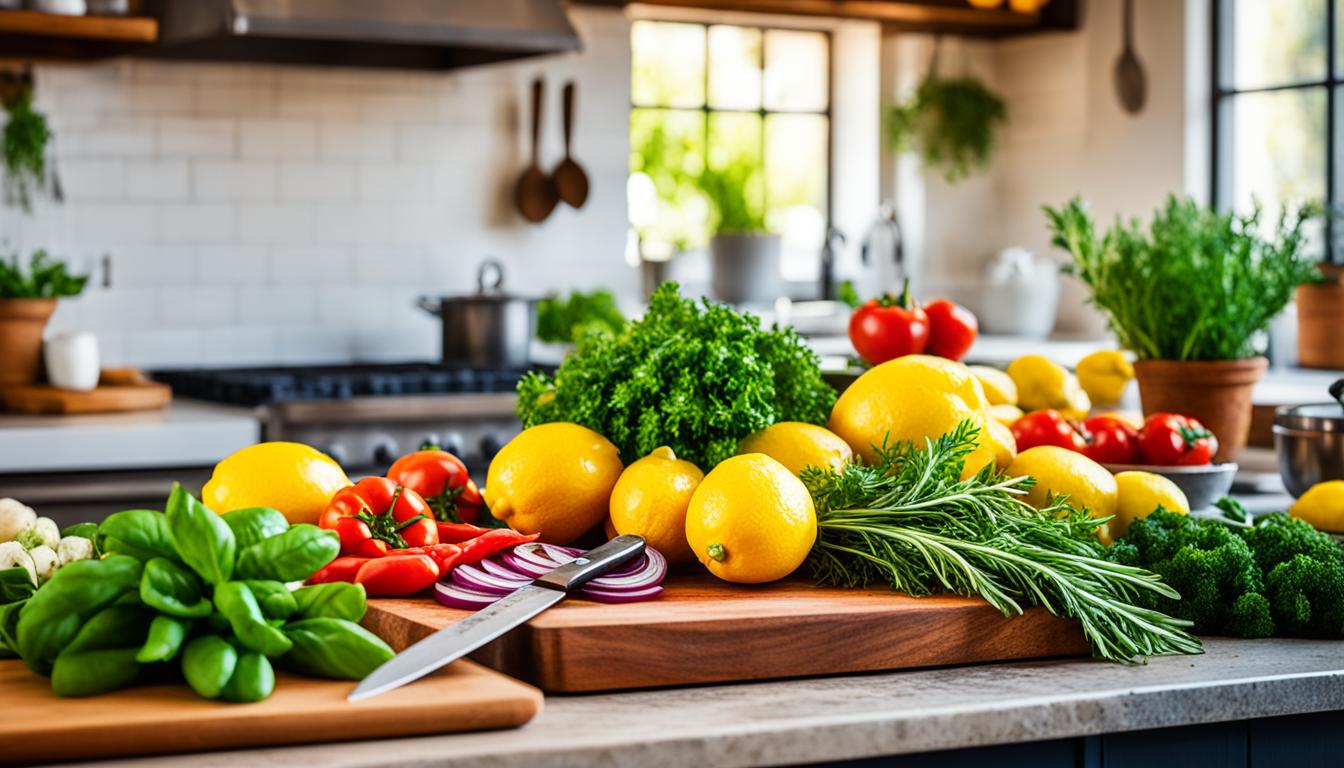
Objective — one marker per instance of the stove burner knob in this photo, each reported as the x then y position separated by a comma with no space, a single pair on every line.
337,452
490,445
452,443
385,452
431,441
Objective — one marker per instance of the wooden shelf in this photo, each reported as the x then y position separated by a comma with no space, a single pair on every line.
123,29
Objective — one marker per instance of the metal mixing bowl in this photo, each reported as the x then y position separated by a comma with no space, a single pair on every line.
1310,442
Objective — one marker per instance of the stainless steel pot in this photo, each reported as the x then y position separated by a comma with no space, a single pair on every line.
488,329
1309,440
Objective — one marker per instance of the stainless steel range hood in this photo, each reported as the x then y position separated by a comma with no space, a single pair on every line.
408,34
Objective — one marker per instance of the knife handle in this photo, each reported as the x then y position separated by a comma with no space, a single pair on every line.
592,563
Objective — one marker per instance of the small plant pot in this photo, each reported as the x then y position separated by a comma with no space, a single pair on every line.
21,324
1320,316
1216,392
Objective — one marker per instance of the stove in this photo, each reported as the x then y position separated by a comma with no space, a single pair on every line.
365,416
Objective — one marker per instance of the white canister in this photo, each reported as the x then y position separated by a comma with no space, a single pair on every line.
72,361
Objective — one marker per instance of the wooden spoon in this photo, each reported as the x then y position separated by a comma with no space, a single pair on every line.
536,194
570,180
1130,82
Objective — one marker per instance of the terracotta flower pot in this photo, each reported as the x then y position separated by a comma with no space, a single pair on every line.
21,324
1320,315
1216,392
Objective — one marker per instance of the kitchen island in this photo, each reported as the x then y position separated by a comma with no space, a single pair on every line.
1244,702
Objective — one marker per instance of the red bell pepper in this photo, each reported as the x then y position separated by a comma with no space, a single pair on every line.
1111,441
1170,439
375,515
952,329
889,327
442,479
397,575
1047,427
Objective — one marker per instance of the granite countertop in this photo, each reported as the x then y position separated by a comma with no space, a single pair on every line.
861,716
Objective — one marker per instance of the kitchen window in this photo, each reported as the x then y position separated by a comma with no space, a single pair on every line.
1278,71
749,102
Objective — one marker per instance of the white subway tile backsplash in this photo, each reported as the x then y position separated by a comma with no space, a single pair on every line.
353,224
358,141
311,264
198,137
394,183
232,180
119,309
276,224
232,264
149,265
317,182
107,140
157,180
268,139
167,348
197,306
117,222
197,222
309,346
278,305
92,179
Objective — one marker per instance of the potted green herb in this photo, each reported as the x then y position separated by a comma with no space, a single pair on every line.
1193,298
745,255
25,139
27,298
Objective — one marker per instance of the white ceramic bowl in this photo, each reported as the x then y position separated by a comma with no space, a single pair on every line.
1202,484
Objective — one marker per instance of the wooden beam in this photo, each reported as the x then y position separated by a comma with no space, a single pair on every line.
125,29
909,15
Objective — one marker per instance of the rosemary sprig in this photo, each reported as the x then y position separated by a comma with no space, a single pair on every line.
911,521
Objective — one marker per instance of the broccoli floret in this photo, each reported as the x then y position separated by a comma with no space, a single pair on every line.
1307,596
1277,538
1251,617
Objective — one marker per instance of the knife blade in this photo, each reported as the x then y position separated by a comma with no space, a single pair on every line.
457,640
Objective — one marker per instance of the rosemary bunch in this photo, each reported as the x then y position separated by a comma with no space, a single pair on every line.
912,521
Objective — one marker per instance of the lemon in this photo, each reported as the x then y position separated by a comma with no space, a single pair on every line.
1000,389
1005,414
1104,374
1061,472
996,445
650,500
293,478
797,445
1322,506
1043,383
912,398
751,520
1139,494
554,480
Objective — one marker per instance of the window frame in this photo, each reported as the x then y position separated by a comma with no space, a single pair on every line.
1222,51
762,112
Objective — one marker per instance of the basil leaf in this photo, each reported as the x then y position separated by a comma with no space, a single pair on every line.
208,662
235,600
15,585
293,555
9,625
174,590
334,600
204,541
275,599
254,524
54,614
139,533
334,648
165,639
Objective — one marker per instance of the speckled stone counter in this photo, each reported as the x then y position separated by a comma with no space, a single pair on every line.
839,718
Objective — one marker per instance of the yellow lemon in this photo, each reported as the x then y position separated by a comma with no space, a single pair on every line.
1104,374
1000,389
751,520
293,478
797,445
1139,494
1043,383
1005,414
1061,472
650,500
1322,506
553,479
996,444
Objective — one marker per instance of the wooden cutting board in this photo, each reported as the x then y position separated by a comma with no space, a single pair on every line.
703,630
118,390
170,718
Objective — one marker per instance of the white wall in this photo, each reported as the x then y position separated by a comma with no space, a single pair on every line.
257,214
1066,135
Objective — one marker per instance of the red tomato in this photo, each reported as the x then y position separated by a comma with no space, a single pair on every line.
1170,439
1047,427
384,514
442,479
952,329
1111,441
887,328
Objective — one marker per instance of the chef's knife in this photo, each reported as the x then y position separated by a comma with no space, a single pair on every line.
457,640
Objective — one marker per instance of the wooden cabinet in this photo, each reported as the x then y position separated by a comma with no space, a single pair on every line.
30,35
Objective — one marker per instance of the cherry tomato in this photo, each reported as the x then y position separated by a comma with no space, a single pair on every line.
1111,441
952,329
1047,427
442,479
889,327
1170,439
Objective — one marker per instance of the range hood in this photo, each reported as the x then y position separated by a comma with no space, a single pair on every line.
407,34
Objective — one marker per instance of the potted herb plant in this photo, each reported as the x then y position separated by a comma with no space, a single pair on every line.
1192,298
745,255
27,299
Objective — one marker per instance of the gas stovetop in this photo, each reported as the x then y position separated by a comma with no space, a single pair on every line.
262,386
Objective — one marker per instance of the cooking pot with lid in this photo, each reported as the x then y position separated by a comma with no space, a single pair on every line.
1309,440
487,329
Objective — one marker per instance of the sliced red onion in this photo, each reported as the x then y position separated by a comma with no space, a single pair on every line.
454,596
620,596
474,586
471,577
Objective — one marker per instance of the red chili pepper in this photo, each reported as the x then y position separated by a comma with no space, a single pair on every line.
397,575
340,569
1047,427
445,556
890,327
386,516
453,533
1171,439
442,479
490,542
952,329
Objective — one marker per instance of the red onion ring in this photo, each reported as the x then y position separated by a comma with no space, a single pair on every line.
474,586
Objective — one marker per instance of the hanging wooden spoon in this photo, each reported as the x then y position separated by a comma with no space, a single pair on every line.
570,180
536,194
1130,82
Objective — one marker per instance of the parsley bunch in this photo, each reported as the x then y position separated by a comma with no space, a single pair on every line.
694,376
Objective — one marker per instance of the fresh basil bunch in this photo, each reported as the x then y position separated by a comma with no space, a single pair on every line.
203,591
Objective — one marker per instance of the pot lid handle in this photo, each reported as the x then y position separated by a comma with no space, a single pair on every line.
1337,391
490,276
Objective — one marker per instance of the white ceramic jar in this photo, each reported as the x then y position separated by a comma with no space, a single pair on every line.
72,361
